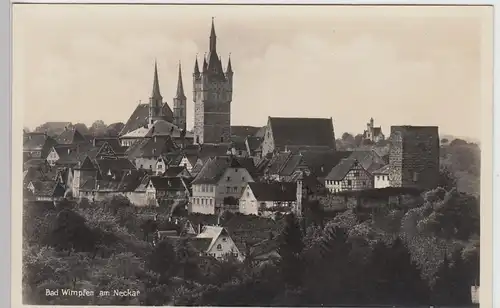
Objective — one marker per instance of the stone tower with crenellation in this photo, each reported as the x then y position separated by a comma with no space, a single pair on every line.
212,96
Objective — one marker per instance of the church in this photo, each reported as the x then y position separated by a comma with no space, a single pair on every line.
212,96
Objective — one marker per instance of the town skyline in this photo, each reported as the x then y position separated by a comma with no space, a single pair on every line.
370,69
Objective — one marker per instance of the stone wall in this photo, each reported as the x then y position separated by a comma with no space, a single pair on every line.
414,156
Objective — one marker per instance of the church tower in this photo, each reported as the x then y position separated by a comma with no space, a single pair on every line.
180,103
212,96
155,100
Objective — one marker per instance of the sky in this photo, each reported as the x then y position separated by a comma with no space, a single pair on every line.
400,65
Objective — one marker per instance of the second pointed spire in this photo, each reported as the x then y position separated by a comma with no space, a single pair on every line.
155,93
180,86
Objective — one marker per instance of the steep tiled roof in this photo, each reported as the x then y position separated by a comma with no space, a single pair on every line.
274,191
200,244
70,136
339,172
113,168
369,159
244,131
34,162
384,170
165,128
253,143
151,147
212,150
291,165
174,171
302,131
36,141
48,189
139,117
214,169
320,163
168,183
261,132
248,164
114,143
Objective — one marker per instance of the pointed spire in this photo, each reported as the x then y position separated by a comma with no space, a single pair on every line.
196,67
180,87
213,38
156,85
205,64
229,68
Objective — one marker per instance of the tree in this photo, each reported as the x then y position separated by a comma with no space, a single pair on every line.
458,142
348,138
290,249
187,259
162,260
446,179
395,278
444,141
82,128
358,139
98,128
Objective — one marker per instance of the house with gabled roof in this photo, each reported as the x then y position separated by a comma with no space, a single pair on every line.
218,185
313,133
381,177
37,145
146,152
45,191
348,175
71,136
170,190
263,199
216,242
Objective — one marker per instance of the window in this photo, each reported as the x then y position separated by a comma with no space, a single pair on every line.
219,247
235,189
160,166
240,152
236,170
211,201
228,189
224,239
221,139
228,178
356,173
364,183
349,182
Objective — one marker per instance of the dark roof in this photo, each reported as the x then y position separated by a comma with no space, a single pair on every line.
291,165
110,168
174,171
34,162
70,136
253,143
125,182
151,147
369,159
384,170
214,169
277,161
239,145
302,131
168,183
164,128
261,132
248,164
212,150
320,163
114,143
200,244
139,117
48,189
274,191
244,131
35,141
339,172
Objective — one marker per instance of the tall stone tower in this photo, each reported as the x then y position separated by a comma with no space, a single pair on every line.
212,96
180,103
155,100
